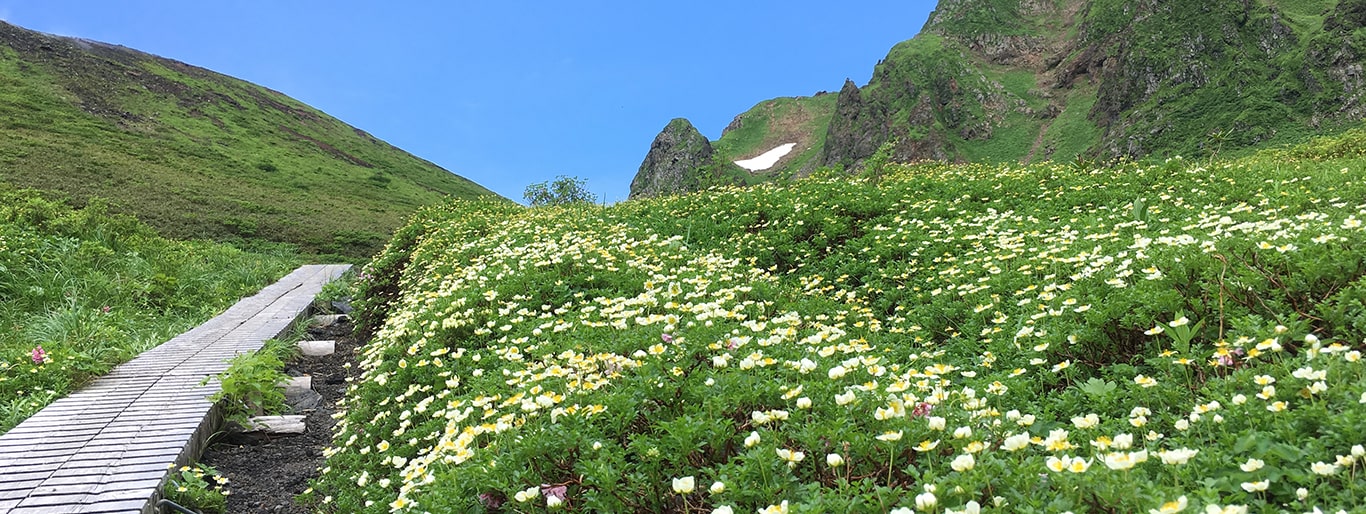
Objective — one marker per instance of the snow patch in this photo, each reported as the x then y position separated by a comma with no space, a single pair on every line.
767,160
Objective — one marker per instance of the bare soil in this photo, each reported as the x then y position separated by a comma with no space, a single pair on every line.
265,477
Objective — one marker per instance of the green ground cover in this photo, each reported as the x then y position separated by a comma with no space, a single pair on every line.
957,338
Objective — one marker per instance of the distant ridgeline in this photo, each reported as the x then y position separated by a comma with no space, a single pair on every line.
198,154
1032,80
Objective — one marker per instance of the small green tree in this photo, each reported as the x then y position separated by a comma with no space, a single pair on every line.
561,191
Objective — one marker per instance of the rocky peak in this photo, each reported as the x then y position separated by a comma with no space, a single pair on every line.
673,163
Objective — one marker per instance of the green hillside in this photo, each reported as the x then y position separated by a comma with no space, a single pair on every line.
197,154
82,290
1153,336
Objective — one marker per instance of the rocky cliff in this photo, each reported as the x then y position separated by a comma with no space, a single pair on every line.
1029,80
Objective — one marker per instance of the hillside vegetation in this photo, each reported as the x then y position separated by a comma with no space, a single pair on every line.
197,154
82,290
1147,337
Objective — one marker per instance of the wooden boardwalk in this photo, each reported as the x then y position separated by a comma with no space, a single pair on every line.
109,446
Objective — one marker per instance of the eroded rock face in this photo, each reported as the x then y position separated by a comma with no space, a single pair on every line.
674,162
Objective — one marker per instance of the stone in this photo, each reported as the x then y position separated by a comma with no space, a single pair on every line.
277,425
327,320
299,394
318,348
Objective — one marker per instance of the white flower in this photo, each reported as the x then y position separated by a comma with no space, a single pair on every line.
1323,468
963,462
834,460
971,508
936,422
684,485
1016,442
527,495
848,397
890,436
717,487
792,457
1227,509
1253,487
836,372
803,403
1252,465
1177,456
724,509
1123,441
925,501
752,439
1088,421
1169,507
553,502
962,433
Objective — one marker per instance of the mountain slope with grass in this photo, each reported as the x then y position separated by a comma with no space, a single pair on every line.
1037,80
197,154
1161,336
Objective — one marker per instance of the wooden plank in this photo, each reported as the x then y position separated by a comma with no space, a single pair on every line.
107,447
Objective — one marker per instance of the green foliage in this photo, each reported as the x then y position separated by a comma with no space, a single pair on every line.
846,345
94,289
200,155
564,190
198,487
251,385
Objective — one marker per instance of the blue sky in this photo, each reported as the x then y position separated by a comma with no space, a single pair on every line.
513,92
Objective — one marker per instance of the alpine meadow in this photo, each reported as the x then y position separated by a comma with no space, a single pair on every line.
1054,256
1143,337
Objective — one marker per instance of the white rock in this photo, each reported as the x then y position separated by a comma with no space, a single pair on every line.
318,348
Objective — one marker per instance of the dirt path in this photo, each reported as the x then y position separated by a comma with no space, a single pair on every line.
266,477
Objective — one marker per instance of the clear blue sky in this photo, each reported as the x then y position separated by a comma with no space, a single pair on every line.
507,93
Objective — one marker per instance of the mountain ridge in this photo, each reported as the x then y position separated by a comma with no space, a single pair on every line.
1027,80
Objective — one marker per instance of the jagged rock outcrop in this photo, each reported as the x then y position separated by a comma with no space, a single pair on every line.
675,160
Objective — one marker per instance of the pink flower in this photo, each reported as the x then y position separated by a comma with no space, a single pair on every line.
667,338
555,491
39,355
492,500
105,309
921,409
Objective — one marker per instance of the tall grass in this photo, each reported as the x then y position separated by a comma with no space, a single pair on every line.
82,290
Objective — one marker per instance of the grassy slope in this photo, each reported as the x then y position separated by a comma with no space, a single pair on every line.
1012,301
93,290
801,120
198,154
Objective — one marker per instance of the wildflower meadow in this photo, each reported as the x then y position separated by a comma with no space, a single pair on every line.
1145,337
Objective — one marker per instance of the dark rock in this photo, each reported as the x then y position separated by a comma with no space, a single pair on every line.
342,306
675,162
